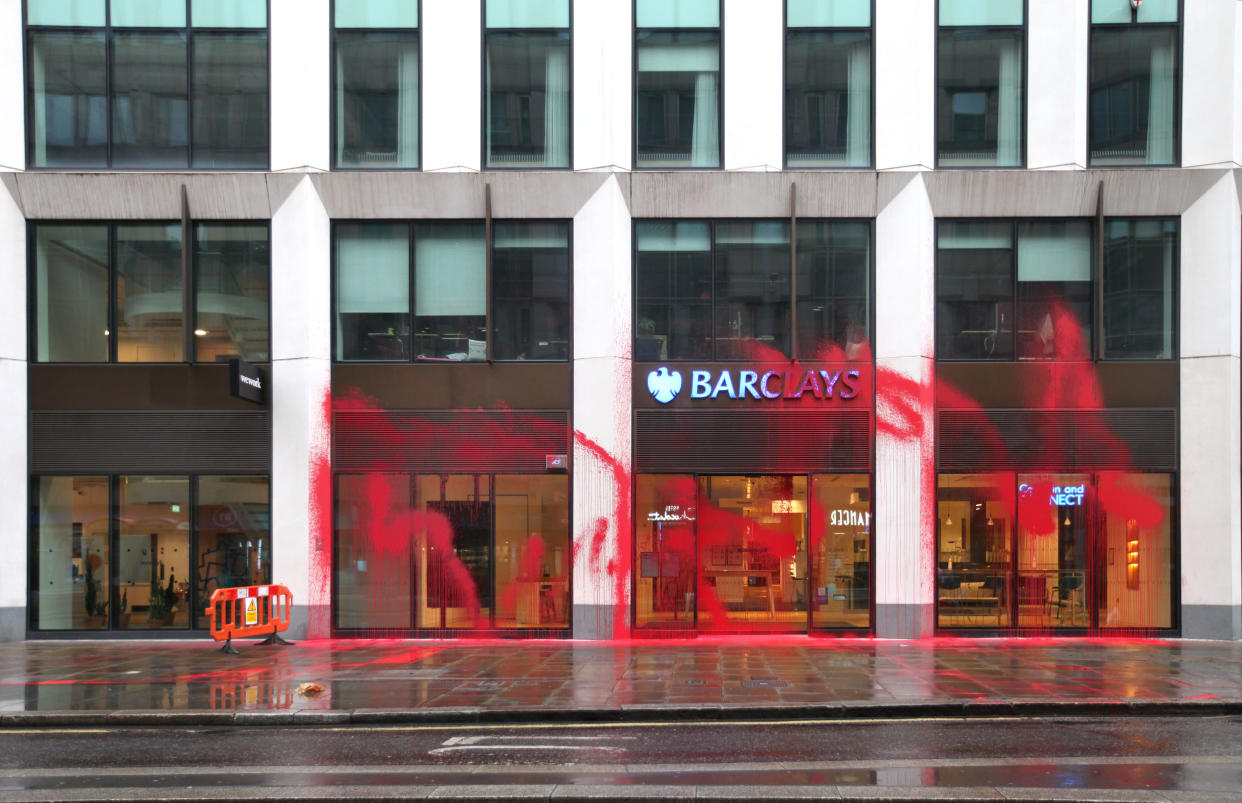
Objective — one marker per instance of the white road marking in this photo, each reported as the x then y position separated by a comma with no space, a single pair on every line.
456,743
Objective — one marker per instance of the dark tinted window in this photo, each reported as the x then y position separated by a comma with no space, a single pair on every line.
828,98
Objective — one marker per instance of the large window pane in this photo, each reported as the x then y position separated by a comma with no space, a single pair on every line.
1054,539
230,103
828,98
834,291
979,101
233,531
752,290
377,14
147,14
148,288
1134,86
981,12
677,14
377,86
532,551
974,291
527,13
677,99
71,294
65,12
665,548
374,551
150,111
231,13
828,13
67,98
974,528
531,306
71,531
153,552
372,291
527,100
1054,290
1138,550
841,538
673,317
1116,11
231,292
453,533
1139,291
450,291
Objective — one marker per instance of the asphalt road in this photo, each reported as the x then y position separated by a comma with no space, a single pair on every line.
1063,758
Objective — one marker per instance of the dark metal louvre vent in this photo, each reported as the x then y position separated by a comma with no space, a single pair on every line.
1056,440
448,440
779,441
227,441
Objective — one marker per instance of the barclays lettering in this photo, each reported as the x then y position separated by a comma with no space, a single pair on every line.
819,384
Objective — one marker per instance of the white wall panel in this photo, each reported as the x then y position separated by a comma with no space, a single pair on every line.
905,42
1210,83
301,84
753,84
603,85
1210,286
14,503
12,88
452,43
1056,102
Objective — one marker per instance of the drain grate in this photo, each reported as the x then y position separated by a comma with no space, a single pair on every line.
763,683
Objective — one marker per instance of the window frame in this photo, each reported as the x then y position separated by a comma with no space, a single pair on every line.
785,90
1024,105
109,59
489,247
720,111
189,290
711,223
1097,287
1178,81
484,123
333,110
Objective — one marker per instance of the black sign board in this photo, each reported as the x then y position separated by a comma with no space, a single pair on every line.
247,382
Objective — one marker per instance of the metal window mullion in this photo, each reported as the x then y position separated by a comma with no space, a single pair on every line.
111,542
189,96
196,604
113,289
793,271
1098,272
187,279
489,277
411,276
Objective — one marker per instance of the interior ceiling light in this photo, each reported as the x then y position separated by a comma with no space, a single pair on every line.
200,332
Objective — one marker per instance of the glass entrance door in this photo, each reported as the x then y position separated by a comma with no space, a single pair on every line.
454,551
1056,536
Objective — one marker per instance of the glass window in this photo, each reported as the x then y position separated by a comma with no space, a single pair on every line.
70,529
233,535
1134,94
834,290
122,97
1122,11
840,555
532,551
974,532
828,13
828,98
377,98
71,293
532,308
372,291
450,291
149,319
231,290
374,551
1138,544
979,98
752,290
1054,290
981,12
677,13
673,289
1139,289
527,13
528,79
377,14
153,552
67,98
677,99
665,549
453,536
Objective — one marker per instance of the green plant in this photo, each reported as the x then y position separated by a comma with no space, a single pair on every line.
93,606
646,326
163,599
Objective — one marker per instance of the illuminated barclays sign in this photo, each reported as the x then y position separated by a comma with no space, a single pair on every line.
665,384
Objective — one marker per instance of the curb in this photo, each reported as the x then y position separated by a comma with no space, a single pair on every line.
627,713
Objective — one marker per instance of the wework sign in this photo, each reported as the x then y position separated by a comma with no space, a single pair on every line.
247,381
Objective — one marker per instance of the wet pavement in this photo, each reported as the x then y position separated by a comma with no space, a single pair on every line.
367,681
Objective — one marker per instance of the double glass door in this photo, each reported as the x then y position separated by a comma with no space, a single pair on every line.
1055,551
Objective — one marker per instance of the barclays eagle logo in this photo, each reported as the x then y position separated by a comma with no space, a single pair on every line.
664,384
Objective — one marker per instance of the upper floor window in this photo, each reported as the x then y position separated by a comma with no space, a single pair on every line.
117,292
828,83
677,83
1027,290
136,83
421,291
1134,82
979,86
727,290
528,80
375,84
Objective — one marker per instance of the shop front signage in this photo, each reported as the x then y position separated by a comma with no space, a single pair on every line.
1061,495
666,384
247,382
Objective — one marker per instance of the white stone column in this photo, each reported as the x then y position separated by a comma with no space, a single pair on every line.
1056,84
1210,84
14,504
603,400
300,384
905,479
905,102
12,87
301,84
603,85
754,49
1211,460
452,84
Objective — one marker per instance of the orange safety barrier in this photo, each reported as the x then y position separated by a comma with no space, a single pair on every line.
249,611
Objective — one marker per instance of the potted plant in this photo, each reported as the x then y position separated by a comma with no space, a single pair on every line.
96,611
647,345
163,603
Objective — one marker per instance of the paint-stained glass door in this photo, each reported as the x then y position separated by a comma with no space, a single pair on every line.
453,551
1055,532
